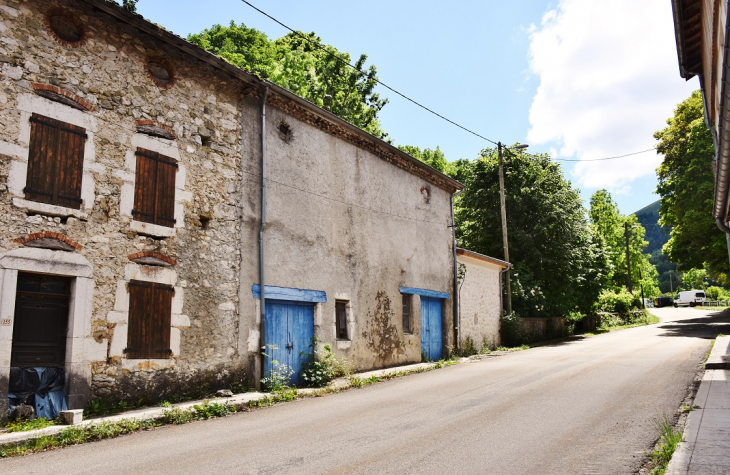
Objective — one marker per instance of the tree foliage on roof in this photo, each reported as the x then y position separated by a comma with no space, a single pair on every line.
686,185
307,67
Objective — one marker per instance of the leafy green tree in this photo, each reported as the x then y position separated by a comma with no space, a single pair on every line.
557,264
610,226
686,185
130,5
434,158
694,279
315,71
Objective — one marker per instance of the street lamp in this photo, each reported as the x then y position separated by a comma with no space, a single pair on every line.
504,217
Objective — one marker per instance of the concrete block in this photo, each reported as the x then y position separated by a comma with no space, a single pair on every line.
72,417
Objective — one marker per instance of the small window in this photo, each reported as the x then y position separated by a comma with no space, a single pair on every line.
55,162
341,319
406,313
154,188
150,309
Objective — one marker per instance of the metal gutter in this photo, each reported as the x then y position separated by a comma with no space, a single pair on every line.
200,54
262,282
457,316
723,141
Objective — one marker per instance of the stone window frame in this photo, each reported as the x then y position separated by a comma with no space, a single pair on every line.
129,173
119,317
81,348
27,105
344,344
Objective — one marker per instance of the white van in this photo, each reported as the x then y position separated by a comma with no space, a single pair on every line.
689,298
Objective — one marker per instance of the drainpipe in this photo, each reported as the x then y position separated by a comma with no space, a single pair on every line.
724,228
262,298
457,321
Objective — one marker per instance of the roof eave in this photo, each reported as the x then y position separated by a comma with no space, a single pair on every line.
200,54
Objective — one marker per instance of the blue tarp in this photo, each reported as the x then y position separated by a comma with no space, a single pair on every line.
39,387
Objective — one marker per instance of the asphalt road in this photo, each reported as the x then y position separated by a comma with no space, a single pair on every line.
583,406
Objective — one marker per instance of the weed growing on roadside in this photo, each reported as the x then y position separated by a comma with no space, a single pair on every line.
33,424
178,416
208,410
78,435
279,376
324,367
668,442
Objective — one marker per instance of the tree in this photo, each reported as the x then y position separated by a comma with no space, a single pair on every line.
301,63
130,5
557,264
686,185
610,227
434,158
694,279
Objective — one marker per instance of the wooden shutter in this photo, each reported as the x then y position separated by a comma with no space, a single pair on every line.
154,191
144,187
341,319
150,308
55,162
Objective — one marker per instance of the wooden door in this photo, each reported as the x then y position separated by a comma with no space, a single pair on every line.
288,334
431,328
41,321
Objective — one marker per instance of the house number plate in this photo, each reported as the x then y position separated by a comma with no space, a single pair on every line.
6,321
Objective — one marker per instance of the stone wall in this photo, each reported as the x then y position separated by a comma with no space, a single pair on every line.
480,304
108,71
347,214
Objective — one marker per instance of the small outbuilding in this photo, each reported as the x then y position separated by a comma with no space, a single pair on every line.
480,298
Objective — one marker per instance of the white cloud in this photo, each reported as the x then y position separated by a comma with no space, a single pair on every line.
609,78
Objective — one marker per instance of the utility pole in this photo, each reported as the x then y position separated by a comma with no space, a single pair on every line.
508,289
627,235
671,287
641,283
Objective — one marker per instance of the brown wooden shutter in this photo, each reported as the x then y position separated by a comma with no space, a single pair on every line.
144,186
55,162
140,303
150,309
154,193
166,193
160,344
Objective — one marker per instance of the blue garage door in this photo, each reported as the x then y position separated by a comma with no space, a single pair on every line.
431,337
288,334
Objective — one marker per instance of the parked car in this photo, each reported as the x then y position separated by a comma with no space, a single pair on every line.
664,301
689,298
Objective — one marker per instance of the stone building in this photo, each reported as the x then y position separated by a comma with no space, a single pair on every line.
480,298
131,166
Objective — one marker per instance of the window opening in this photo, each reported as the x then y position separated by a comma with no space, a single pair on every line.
150,309
154,188
341,319
406,299
55,162
65,28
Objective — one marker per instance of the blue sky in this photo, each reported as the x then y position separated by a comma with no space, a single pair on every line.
579,79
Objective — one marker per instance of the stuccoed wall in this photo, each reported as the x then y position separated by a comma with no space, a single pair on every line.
343,220
108,71
341,217
479,302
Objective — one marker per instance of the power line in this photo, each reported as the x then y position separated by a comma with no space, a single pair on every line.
412,100
376,80
601,159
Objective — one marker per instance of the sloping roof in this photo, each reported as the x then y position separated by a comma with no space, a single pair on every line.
481,257
688,35
280,97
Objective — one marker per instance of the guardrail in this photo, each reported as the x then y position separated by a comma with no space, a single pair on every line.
714,303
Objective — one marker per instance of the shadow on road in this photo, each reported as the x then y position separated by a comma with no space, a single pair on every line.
707,326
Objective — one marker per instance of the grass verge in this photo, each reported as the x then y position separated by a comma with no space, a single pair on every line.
22,426
669,439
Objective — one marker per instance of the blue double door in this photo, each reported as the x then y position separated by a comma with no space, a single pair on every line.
288,333
431,328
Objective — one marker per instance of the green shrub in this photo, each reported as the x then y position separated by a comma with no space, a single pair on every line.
618,302
512,333
324,367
